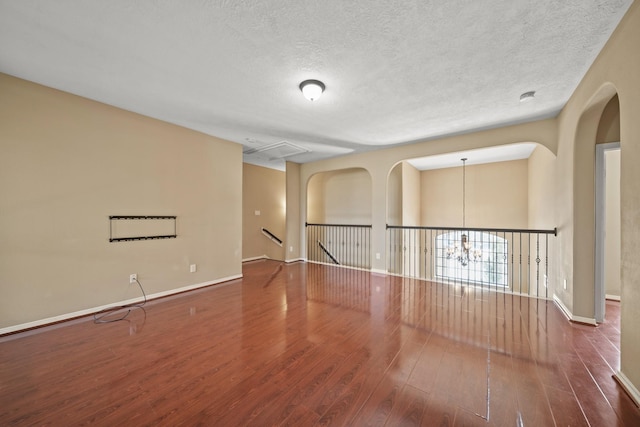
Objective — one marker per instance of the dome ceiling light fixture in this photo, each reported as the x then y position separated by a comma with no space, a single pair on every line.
527,96
312,89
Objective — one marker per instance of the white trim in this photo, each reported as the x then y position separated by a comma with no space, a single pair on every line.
255,258
493,288
628,386
85,312
612,297
570,316
563,308
379,271
288,261
585,320
329,264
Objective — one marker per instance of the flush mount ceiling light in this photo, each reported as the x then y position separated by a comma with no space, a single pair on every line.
527,96
312,89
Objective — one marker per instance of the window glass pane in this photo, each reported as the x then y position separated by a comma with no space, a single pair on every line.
473,256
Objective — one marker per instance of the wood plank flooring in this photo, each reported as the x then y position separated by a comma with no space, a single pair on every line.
305,344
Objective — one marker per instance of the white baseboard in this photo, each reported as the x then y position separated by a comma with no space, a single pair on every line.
585,320
563,308
570,316
348,267
612,297
88,311
378,271
628,386
255,258
258,258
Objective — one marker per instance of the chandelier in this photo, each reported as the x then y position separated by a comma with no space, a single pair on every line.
464,252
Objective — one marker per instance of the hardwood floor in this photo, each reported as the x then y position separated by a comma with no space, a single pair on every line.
305,344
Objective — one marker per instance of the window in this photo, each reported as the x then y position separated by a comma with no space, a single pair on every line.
483,261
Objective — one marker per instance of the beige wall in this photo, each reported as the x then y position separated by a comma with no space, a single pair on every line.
612,226
496,196
263,206
541,184
68,163
340,197
394,190
411,195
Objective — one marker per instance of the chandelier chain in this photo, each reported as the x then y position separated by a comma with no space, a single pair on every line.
464,190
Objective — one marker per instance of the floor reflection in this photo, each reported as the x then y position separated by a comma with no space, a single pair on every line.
308,344
476,316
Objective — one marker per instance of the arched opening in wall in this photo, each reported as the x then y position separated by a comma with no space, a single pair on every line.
607,215
598,124
339,218
482,223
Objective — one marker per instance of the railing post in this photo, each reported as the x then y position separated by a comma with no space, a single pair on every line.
344,244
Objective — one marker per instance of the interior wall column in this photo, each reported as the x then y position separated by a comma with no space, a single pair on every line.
378,219
294,220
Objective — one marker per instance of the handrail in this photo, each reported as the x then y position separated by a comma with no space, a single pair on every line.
326,251
495,230
509,259
271,236
307,224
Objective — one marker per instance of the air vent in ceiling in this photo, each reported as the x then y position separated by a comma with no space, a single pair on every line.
279,150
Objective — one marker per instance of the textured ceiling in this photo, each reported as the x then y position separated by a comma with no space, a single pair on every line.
396,71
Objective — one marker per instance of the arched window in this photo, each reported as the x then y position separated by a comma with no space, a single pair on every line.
473,256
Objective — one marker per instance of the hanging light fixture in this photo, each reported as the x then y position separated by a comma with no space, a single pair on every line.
465,252
312,89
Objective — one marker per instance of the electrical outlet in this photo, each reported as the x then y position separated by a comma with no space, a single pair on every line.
564,284
133,278
193,268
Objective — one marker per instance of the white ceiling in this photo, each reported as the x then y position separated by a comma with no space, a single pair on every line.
396,71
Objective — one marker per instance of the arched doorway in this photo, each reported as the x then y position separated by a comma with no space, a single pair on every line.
339,218
607,215
599,123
